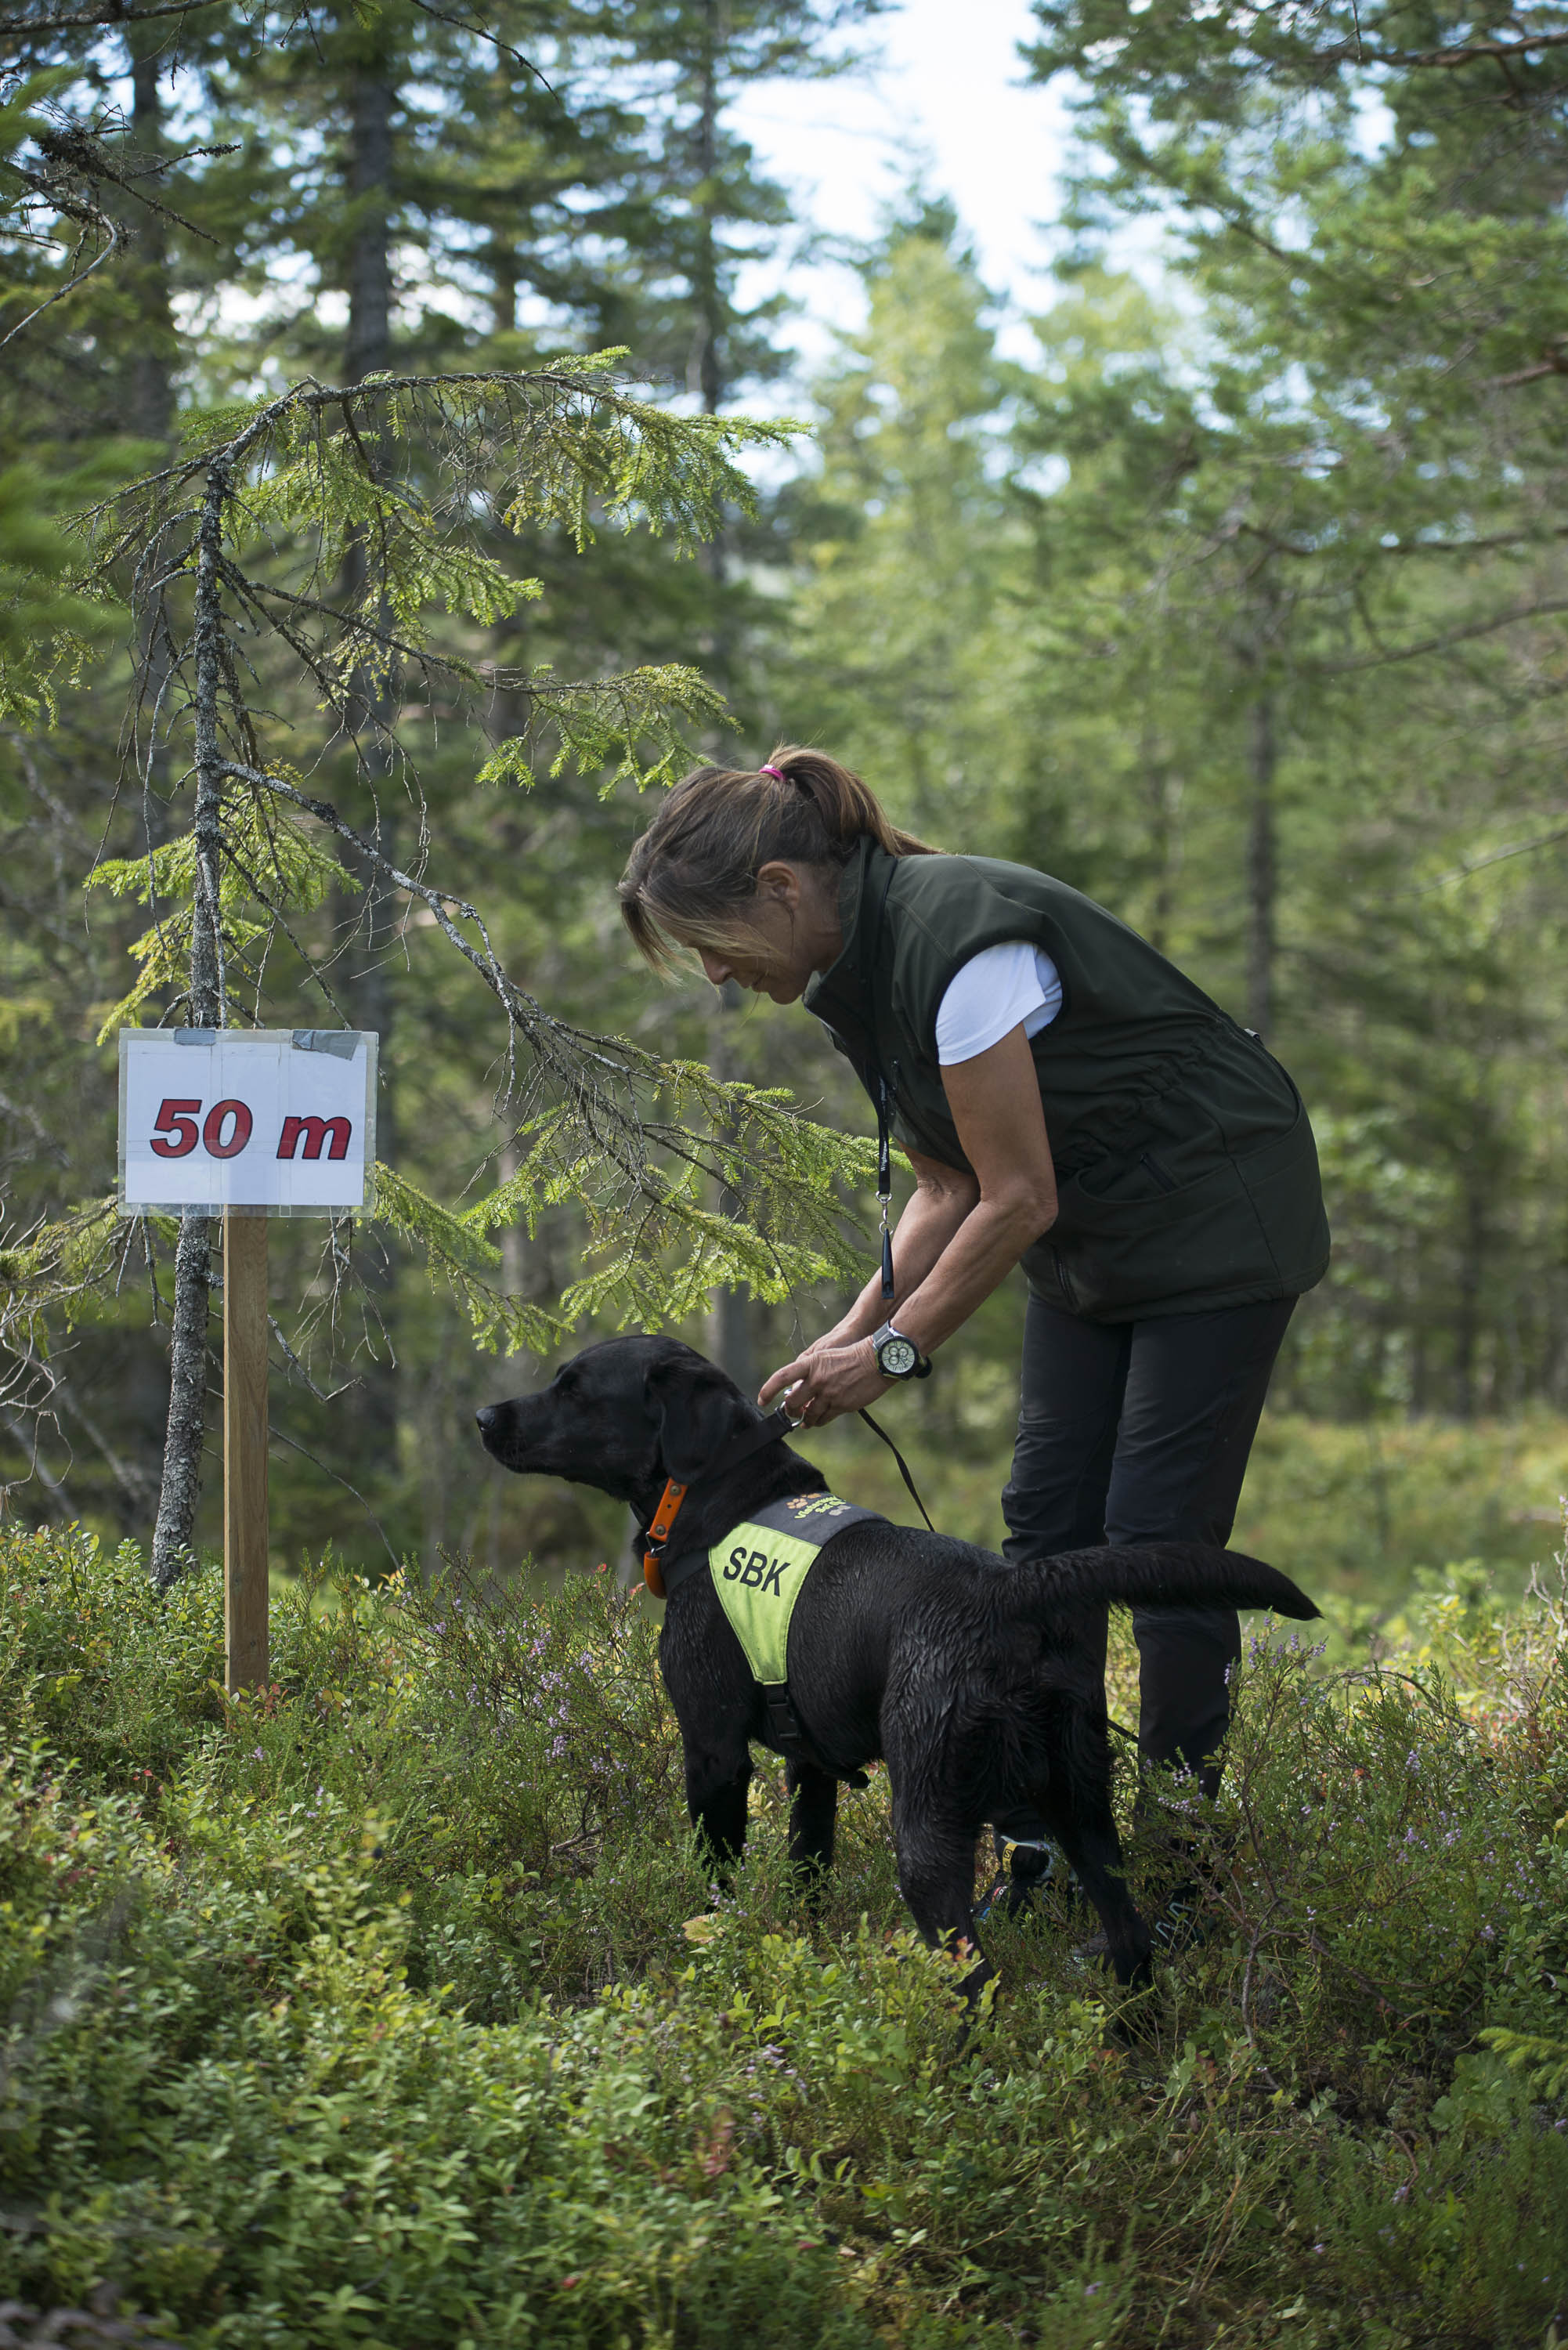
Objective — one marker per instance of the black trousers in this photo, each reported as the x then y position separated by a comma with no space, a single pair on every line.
1136,1431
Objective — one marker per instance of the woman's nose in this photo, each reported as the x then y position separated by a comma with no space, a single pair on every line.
716,969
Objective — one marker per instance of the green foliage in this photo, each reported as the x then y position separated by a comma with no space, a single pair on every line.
625,730
1543,2063
662,1247
332,475
457,1256
565,446
393,2006
47,627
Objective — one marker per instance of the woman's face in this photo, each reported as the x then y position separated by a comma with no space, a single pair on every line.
789,930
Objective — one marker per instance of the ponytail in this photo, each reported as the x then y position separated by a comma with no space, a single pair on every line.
696,866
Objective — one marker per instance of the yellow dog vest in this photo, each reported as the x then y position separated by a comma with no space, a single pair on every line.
760,1568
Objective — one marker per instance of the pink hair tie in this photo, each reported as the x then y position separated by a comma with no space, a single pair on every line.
774,771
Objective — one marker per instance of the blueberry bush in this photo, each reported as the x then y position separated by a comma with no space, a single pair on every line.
395,2006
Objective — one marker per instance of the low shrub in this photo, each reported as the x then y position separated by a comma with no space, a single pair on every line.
395,2006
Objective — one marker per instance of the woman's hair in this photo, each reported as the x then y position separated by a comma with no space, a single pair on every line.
696,866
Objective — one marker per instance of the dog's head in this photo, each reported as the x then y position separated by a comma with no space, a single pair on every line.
622,1416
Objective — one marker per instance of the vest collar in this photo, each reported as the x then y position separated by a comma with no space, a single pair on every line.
841,995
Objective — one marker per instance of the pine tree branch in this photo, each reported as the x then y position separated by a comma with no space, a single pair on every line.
106,13
112,243
1468,53
483,33
1496,856
1383,657
600,1076
1309,551
522,1011
27,1440
277,1435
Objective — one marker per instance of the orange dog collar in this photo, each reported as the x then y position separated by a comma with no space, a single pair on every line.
658,1533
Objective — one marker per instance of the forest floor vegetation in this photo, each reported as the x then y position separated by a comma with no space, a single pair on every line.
395,2007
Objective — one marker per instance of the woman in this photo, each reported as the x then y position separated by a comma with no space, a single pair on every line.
1069,1101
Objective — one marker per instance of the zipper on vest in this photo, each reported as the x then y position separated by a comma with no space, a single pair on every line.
1166,1183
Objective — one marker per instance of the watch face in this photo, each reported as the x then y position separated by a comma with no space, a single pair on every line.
897,1357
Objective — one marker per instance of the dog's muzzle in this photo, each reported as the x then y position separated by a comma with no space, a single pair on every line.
495,1420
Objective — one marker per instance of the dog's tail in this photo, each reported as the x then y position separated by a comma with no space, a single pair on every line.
1169,1575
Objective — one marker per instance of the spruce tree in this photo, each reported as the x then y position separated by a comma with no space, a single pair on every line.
308,469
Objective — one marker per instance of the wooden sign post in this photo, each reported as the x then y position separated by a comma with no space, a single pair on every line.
248,1123
246,1516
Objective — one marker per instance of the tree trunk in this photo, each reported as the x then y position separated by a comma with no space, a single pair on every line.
370,343
1260,869
368,351
151,418
1467,1319
372,917
504,278
153,361
730,1337
705,368
181,1487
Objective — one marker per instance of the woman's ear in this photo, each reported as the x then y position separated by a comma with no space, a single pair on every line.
781,883
696,1410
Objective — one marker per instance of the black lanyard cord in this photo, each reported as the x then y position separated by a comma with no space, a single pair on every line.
885,1183
903,1467
883,1109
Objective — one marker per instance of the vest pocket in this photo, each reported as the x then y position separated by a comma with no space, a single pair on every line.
1285,1192
1130,1237
1137,1243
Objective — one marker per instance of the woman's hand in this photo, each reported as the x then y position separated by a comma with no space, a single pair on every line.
828,1381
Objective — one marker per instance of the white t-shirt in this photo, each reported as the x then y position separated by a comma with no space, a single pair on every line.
993,992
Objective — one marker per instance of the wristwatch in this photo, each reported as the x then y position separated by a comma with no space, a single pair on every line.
898,1358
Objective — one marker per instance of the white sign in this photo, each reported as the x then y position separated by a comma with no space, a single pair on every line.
278,1119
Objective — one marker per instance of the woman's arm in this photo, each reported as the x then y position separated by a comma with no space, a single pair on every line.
967,1236
942,1198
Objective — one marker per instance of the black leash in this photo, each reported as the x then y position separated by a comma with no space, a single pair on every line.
903,1467
779,1424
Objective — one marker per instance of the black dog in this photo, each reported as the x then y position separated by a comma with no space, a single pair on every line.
974,1681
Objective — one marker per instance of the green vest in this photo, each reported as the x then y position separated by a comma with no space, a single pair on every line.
760,1567
1186,1170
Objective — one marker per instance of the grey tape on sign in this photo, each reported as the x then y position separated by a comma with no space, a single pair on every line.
341,1043
192,1035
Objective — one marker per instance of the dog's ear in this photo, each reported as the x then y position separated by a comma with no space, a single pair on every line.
696,1410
